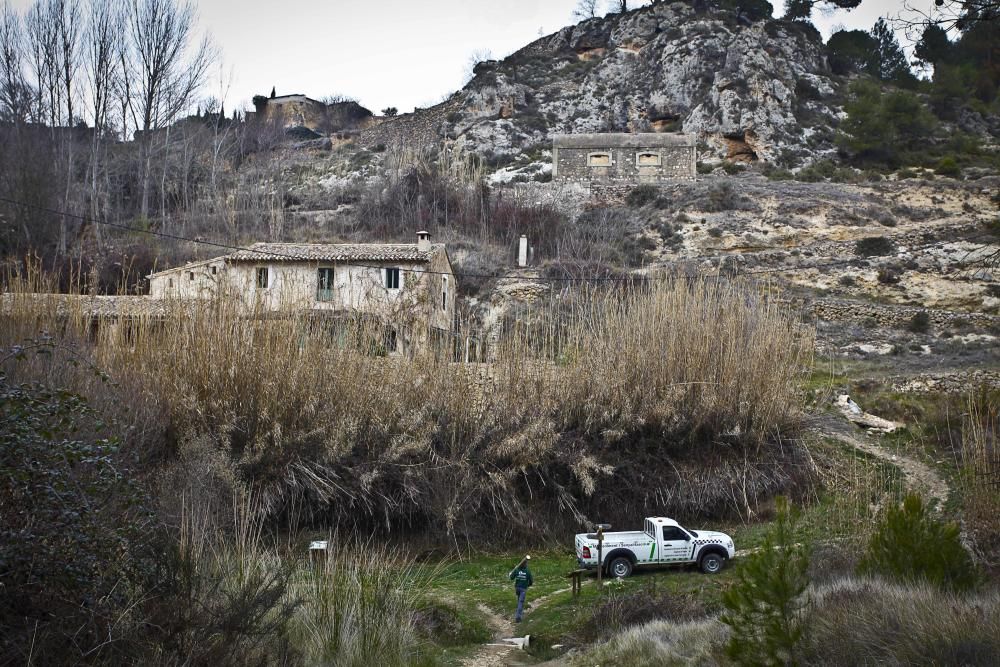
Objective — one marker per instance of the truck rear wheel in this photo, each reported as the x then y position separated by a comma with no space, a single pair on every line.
711,563
620,567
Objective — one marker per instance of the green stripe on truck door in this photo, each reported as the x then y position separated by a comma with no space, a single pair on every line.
652,550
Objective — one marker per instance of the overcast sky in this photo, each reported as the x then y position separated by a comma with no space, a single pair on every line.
401,53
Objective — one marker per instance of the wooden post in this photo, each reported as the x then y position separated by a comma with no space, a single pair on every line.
600,556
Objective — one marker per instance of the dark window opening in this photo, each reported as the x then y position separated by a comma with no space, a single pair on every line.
263,277
444,295
215,270
190,275
673,533
390,340
392,278
324,289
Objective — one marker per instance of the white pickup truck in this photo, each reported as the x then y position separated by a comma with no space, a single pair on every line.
661,542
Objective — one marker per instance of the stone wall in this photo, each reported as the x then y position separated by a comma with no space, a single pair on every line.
896,316
675,163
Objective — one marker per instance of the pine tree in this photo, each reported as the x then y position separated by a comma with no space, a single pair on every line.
891,64
912,545
763,609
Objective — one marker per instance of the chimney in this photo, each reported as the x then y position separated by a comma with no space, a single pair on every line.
423,240
522,251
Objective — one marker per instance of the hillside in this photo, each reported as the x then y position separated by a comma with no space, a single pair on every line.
749,87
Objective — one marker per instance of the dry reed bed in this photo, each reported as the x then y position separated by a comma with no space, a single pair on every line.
313,420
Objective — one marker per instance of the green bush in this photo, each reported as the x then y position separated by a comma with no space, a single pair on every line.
912,545
704,168
763,608
642,195
947,167
873,246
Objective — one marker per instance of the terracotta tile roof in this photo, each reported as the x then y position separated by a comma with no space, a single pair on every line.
334,252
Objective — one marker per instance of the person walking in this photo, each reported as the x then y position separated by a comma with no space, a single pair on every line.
521,576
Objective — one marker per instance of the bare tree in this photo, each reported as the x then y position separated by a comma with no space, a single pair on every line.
164,70
617,6
949,15
43,48
15,95
105,27
585,9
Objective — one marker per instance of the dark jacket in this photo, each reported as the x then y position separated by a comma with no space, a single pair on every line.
521,576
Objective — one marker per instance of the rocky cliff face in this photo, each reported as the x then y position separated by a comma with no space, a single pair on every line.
749,89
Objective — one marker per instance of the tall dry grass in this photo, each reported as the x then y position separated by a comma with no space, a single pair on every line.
357,606
312,420
979,473
872,621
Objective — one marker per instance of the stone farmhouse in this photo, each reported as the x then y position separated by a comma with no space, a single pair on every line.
623,159
409,285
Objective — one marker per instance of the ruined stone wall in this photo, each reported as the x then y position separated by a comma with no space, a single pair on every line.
625,164
421,129
896,316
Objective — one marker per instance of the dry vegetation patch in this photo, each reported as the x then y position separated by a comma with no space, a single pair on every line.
579,402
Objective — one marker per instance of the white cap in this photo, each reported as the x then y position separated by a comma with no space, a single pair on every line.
527,558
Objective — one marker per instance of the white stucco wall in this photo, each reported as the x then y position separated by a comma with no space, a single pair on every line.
198,280
426,292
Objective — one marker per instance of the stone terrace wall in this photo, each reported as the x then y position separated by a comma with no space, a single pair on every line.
896,316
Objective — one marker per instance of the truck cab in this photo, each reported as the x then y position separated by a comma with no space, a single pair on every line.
662,541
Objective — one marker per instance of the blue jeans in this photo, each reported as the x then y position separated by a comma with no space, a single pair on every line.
521,592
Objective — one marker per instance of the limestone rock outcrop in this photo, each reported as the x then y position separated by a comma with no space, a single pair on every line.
748,89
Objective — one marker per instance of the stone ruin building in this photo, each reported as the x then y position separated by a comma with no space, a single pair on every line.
302,115
611,159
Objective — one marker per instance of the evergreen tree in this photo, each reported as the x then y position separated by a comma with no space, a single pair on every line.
912,545
880,127
851,51
934,46
891,61
763,609
801,10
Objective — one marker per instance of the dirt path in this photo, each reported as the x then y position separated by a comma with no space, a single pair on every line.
917,476
495,654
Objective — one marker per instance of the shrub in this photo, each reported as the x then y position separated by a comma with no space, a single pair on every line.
888,276
910,544
722,197
947,167
358,607
763,607
873,246
920,322
847,281
704,168
642,195
69,513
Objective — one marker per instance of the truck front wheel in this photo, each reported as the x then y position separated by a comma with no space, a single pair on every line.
711,563
620,567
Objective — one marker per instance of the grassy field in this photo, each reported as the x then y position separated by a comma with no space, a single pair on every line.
558,618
